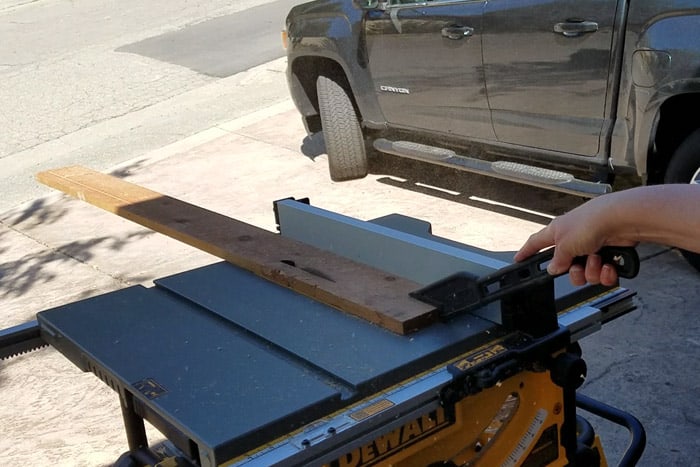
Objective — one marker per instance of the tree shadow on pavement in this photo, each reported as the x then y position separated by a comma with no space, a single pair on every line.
123,171
22,273
25,272
40,211
19,276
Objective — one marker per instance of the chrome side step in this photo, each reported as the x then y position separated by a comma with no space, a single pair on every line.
512,171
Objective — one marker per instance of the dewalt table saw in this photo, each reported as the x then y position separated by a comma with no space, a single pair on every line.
235,370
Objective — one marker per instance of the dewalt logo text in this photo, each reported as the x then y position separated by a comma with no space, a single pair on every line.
392,442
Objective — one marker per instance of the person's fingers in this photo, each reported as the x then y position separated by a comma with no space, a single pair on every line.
560,263
577,275
534,244
593,273
539,240
608,275
594,264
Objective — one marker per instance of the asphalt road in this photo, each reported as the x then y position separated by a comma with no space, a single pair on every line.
99,83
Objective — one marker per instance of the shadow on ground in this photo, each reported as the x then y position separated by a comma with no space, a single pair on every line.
20,274
513,199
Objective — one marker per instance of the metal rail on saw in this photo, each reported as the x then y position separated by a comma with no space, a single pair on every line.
20,339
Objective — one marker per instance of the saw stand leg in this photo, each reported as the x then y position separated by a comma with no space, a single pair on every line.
139,454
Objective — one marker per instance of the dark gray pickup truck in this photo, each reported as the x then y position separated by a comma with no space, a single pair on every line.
561,94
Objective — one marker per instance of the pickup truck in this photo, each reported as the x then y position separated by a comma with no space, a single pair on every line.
560,94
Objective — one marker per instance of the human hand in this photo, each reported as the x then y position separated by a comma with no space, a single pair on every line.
580,232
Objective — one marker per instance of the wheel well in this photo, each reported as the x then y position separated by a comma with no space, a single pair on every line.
678,117
306,71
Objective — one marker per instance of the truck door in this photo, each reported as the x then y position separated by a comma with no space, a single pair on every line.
425,62
547,64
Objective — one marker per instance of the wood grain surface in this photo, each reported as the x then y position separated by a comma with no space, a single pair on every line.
363,291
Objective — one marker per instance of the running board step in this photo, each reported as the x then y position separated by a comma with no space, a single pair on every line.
512,171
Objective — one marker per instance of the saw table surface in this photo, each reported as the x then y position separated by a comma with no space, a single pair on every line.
234,361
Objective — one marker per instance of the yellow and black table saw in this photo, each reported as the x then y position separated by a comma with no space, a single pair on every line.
236,370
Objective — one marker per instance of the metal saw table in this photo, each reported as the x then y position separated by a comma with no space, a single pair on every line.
235,370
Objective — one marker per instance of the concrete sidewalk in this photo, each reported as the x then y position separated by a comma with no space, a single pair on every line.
56,250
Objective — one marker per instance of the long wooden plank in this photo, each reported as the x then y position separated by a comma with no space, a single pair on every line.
361,290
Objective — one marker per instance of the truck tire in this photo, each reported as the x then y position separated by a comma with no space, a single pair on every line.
345,143
684,167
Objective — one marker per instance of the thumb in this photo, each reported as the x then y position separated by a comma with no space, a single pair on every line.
561,262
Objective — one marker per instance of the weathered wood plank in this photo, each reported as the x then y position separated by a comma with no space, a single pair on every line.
361,290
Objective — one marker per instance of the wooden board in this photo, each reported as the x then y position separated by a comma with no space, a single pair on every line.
361,290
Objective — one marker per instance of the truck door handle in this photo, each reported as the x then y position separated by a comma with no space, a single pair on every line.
575,28
457,32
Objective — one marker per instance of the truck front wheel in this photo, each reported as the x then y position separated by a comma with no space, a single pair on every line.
345,144
684,167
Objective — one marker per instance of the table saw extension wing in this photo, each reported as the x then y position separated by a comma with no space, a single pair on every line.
233,361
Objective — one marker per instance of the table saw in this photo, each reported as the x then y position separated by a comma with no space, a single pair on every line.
236,370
